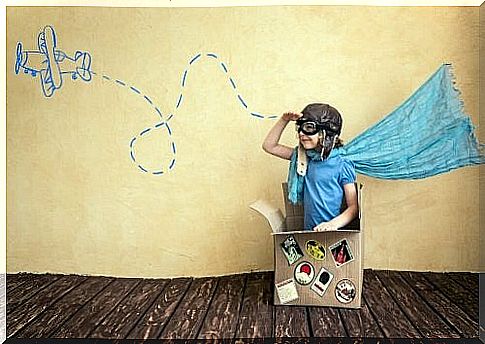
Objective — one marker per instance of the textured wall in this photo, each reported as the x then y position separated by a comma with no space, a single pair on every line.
76,202
481,131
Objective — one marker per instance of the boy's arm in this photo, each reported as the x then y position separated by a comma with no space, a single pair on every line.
348,215
271,143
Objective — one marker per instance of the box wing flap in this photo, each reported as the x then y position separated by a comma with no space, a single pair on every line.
273,215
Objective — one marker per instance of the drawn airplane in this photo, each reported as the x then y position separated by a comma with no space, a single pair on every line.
50,63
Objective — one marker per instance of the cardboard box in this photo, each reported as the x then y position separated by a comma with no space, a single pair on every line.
315,268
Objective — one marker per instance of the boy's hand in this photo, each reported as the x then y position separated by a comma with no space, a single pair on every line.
291,116
325,226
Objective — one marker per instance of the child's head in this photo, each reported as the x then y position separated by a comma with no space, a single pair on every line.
319,128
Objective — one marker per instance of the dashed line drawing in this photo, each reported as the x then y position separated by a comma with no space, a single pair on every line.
50,63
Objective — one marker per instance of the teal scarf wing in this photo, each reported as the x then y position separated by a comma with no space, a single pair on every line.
426,135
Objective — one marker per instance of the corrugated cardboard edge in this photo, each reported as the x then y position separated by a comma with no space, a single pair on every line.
361,241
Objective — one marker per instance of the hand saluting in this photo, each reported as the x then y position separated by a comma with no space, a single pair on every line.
292,116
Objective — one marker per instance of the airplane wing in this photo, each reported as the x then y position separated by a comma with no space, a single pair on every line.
51,74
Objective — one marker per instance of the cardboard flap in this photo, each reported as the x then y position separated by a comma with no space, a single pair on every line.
273,215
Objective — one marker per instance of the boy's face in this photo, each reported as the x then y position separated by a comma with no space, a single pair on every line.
323,119
308,141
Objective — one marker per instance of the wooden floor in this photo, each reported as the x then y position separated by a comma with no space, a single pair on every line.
395,304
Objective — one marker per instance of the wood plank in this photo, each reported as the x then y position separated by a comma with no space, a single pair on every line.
424,318
189,315
389,316
466,280
15,280
218,321
84,321
3,304
31,308
124,317
454,315
291,321
19,277
360,323
256,317
455,292
223,314
156,318
326,322
49,320
31,284
470,278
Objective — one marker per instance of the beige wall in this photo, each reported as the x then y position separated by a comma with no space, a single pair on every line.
481,130
77,204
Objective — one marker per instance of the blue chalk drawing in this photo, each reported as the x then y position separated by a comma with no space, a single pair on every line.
50,63
439,94
164,124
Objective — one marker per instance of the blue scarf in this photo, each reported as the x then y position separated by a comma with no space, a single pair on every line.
426,135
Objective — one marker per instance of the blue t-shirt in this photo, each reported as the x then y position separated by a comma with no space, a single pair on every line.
323,188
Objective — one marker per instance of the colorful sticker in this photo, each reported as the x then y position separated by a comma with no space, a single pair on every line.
291,249
315,249
345,291
322,282
304,273
287,291
341,252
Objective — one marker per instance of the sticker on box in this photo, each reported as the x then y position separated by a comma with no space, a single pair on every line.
345,291
291,249
322,281
304,273
286,291
315,249
341,252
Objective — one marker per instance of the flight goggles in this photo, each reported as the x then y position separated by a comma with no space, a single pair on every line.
310,127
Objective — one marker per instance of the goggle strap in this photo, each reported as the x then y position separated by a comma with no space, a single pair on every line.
301,162
322,134
322,141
